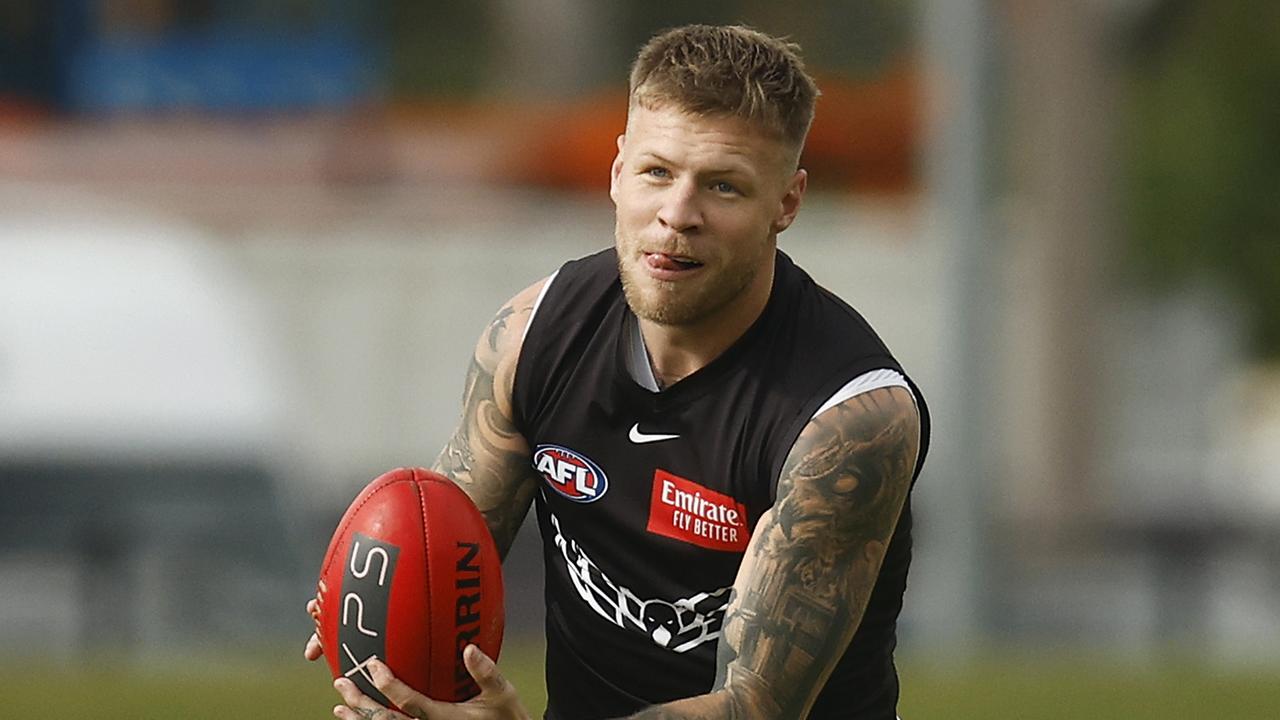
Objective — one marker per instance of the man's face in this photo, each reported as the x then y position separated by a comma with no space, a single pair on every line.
700,202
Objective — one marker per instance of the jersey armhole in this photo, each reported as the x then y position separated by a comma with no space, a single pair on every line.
537,302
874,379
866,382
517,411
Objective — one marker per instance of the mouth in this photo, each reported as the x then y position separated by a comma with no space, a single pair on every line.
665,263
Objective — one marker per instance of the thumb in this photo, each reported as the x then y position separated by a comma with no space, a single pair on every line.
482,667
497,694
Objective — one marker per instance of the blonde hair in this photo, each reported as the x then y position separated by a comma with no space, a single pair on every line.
728,71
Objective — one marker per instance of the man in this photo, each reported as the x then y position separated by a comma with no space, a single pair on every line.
721,452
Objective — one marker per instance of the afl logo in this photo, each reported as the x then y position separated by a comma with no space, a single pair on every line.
570,474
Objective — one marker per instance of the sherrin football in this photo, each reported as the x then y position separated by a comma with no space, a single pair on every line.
411,577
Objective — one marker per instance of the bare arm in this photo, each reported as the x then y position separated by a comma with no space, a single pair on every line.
812,562
487,456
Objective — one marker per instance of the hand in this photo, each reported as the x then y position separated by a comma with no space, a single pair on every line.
314,650
497,699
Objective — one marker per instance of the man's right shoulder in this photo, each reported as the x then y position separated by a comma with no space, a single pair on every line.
505,332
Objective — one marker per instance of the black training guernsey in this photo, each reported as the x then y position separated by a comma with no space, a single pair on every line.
648,499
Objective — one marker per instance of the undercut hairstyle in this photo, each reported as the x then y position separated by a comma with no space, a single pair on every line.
730,71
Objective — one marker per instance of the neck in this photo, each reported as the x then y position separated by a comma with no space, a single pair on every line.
678,351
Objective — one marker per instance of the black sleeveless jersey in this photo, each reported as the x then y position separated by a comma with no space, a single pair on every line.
648,499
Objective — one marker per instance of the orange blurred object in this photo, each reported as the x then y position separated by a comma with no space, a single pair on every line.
863,139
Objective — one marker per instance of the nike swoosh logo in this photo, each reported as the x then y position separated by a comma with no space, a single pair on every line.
640,438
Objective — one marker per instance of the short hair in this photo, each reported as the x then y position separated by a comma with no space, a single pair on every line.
728,71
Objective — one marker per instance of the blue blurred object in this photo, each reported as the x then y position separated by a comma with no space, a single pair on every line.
218,72
229,62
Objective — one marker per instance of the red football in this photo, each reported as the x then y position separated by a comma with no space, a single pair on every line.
411,577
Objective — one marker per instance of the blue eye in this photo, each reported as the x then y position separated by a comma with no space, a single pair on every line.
658,172
726,188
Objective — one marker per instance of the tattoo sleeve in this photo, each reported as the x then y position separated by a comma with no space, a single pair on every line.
487,456
812,561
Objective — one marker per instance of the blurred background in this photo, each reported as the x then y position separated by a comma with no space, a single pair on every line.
246,247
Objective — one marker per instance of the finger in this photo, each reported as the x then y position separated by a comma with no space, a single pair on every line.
404,697
345,713
485,672
314,649
360,706
313,608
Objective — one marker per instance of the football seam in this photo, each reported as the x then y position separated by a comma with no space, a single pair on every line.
426,544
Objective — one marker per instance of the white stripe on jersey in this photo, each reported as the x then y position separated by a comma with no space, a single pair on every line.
866,382
538,301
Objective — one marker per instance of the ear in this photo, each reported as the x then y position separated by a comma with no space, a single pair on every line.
615,172
790,205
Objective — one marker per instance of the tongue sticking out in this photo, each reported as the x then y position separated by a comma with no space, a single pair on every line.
667,262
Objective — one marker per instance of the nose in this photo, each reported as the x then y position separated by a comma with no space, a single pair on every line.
679,210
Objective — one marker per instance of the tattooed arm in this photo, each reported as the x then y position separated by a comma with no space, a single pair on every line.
812,561
487,456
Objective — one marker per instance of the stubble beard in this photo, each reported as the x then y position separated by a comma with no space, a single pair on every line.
680,303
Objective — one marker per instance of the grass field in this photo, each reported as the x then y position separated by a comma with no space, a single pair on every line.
278,684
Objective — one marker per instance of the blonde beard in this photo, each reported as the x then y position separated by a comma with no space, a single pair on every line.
680,306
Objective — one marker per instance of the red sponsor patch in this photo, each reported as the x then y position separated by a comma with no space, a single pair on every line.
684,510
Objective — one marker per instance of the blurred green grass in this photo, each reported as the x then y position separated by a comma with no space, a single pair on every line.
275,683
1059,685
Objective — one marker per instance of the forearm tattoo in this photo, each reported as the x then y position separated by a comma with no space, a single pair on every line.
813,561
487,456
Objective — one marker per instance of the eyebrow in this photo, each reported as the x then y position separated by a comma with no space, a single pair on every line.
739,171
655,156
